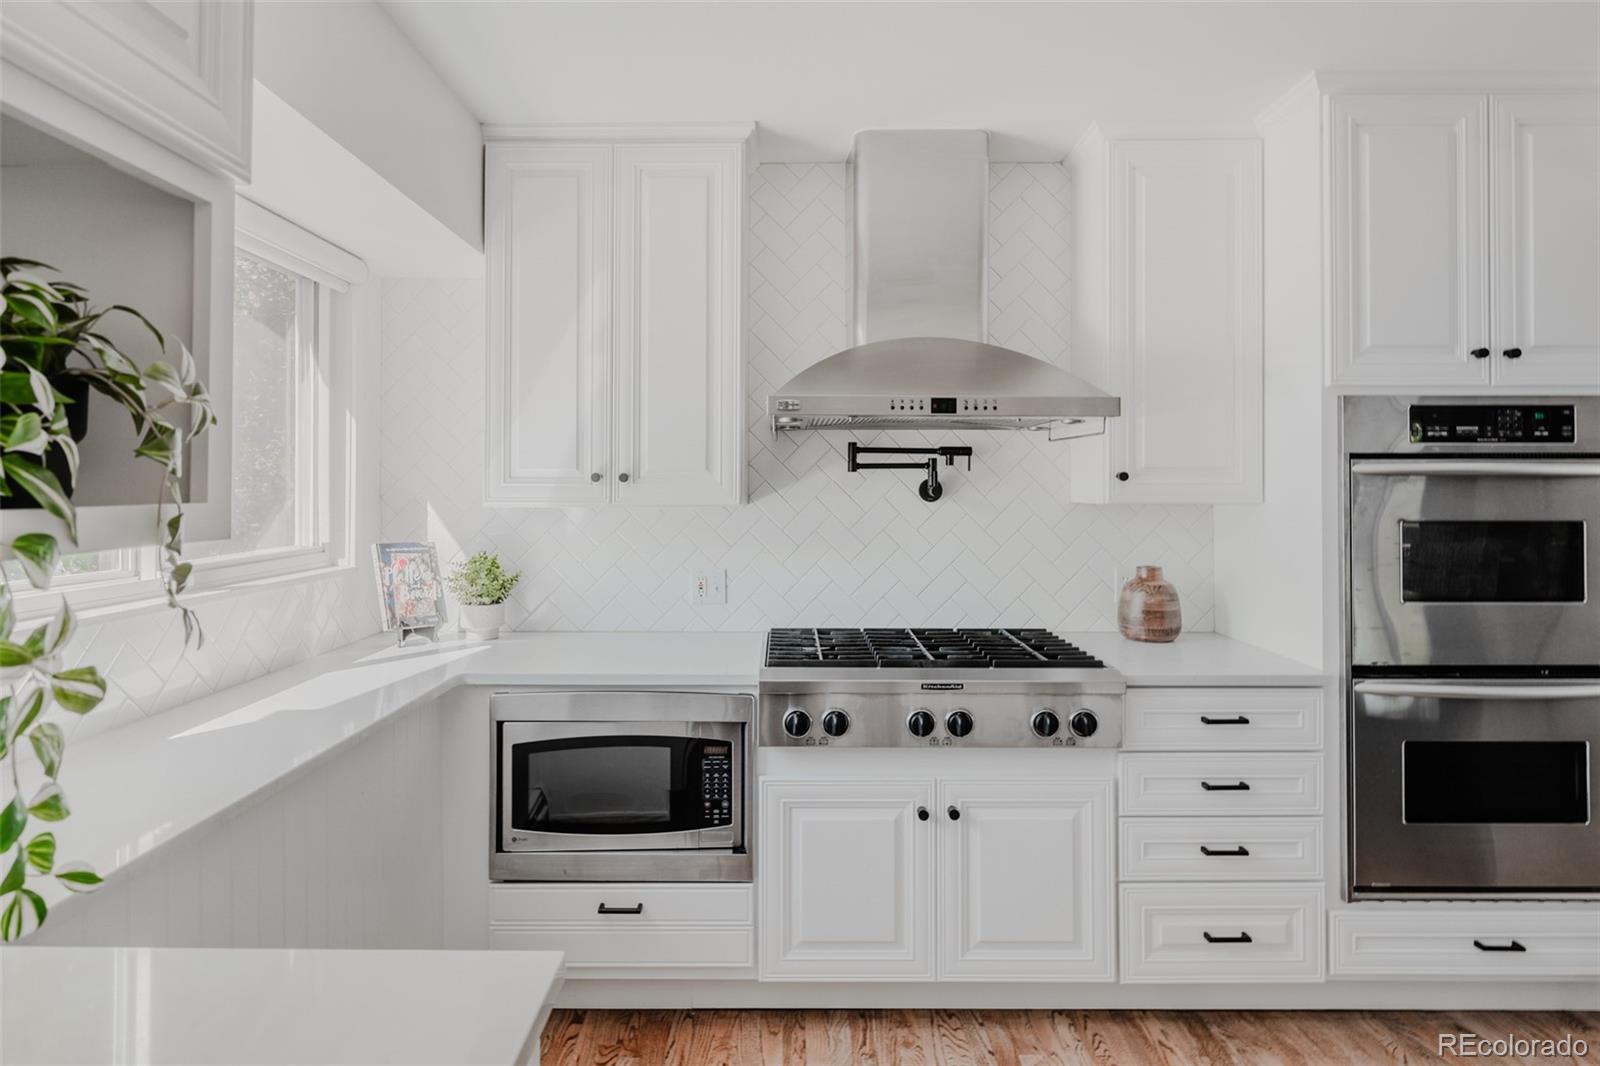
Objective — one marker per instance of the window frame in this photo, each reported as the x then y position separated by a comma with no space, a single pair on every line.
324,499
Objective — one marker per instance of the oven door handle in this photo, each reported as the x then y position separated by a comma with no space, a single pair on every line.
1431,690
1477,467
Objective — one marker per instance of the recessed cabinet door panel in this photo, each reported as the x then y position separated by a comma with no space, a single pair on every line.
548,242
1025,881
1410,299
1185,333
846,878
1547,239
679,407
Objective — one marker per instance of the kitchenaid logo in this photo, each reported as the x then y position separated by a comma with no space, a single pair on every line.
942,686
1471,1046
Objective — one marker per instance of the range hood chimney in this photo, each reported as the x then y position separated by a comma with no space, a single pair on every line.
920,359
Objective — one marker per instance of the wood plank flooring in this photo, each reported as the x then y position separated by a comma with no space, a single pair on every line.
1037,1037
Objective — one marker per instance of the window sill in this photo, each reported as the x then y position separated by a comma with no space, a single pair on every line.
144,600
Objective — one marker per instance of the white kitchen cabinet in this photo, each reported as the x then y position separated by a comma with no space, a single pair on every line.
1025,881
616,291
1464,239
178,73
1169,318
847,880
1018,884
1546,209
1221,933
1465,940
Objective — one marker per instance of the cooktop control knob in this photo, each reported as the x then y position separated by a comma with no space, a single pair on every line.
920,723
959,723
836,723
797,723
1084,723
1046,723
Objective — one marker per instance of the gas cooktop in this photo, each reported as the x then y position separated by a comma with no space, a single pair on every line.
977,649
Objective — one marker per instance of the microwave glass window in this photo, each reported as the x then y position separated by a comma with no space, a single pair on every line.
600,785
1489,782
1491,562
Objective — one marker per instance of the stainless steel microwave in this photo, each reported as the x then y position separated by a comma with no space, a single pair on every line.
621,786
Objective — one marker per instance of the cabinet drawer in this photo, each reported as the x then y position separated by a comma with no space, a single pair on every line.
659,903
1221,933
597,952
1205,849
1407,941
1222,783
1223,719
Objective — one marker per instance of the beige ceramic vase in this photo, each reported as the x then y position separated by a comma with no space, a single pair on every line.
1148,607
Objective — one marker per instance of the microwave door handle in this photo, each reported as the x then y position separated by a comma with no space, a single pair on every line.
1430,690
1476,467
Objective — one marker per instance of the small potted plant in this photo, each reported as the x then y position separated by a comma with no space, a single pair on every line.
482,586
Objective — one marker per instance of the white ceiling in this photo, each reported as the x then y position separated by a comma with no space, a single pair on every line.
1034,75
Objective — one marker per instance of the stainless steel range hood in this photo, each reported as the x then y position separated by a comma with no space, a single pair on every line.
920,360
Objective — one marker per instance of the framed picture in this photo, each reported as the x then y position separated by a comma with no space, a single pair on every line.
410,590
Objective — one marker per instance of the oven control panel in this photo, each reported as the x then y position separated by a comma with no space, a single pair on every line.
1493,424
716,784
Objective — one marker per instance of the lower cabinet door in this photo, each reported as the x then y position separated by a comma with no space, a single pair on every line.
1025,880
846,880
1222,933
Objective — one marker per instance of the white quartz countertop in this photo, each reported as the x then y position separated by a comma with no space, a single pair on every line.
1194,659
139,787
227,1005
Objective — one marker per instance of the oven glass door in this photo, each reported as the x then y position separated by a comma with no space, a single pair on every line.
1474,786
618,786
1474,563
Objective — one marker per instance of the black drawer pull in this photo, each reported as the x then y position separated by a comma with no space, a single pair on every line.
1242,938
1513,946
1512,353
1240,850
1242,786
1237,719
637,908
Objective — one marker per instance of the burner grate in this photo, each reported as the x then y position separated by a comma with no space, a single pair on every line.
978,649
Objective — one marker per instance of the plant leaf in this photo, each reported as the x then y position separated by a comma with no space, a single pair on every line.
42,485
15,875
80,689
157,443
79,877
13,655
11,919
31,308
41,852
49,803
12,821
40,909
60,629
30,711
49,744
8,617
24,433
37,552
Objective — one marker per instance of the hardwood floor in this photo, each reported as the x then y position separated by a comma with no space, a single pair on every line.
1037,1037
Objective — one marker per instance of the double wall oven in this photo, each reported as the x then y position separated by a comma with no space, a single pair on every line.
621,786
1473,645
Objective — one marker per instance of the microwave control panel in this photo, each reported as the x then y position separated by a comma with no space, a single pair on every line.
1493,424
716,784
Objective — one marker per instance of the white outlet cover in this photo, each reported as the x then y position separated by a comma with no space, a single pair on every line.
710,587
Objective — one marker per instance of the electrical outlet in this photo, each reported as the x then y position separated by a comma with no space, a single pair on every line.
710,586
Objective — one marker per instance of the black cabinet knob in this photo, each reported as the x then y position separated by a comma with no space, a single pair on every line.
1122,475
1046,724
920,723
835,723
595,476
622,477
955,815
1480,353
958,724
797,723
1512,353
922,814
1084,723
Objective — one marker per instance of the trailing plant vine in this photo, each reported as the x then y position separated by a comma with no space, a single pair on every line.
53,351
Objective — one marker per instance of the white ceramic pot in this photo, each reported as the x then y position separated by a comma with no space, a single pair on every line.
482,621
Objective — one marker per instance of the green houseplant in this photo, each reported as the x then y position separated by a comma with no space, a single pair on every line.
54,352
482,586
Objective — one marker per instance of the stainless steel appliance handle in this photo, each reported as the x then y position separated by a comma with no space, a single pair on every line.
1477,467
1432,690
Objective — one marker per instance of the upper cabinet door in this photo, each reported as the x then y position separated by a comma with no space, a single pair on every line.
1408,216
1546,181
176,71
1185,323
547,239
679,398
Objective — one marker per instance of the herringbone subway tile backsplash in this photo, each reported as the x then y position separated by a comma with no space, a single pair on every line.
815,545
